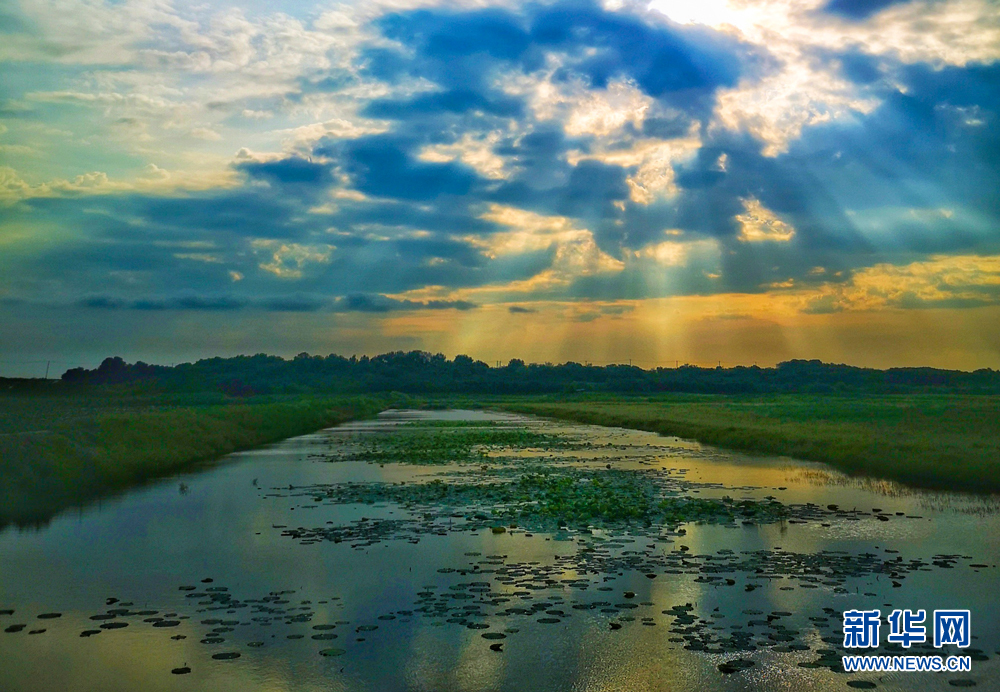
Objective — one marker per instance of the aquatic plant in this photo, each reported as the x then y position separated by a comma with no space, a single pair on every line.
933,441
444,444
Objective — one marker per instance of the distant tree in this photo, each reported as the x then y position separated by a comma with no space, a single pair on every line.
417,372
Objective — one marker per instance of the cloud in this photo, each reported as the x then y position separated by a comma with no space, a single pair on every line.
758,223
451,101
185,302
938,282
519,310
355,302
360,302
290,260
288,171
858,9
392,158
383,166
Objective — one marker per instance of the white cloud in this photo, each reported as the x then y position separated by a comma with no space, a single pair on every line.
653,160
776,108
162,73
804,90
205,133
289,260
472,149
758,223
575,252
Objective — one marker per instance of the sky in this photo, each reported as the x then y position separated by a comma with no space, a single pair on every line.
703,181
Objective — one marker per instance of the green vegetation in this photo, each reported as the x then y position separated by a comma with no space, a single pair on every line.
526,491
57,451
62,446
419,372
943,442
551,498
445,444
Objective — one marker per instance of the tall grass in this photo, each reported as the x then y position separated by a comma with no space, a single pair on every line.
81,457
941,442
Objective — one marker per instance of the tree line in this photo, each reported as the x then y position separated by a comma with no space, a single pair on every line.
419,372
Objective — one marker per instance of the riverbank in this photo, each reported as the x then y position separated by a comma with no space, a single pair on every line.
62,451
939,442
59,451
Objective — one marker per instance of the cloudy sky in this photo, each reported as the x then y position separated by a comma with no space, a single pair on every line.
688,180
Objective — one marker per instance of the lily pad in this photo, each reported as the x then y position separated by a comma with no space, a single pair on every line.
226,656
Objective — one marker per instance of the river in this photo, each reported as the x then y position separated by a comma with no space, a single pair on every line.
244,575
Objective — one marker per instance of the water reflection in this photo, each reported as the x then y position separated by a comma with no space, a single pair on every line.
221,532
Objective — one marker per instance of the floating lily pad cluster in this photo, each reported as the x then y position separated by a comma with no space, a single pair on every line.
549,499
501,598
449,443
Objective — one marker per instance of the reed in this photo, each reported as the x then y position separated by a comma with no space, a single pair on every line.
943,442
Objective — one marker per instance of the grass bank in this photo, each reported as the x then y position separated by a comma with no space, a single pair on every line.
949,442
61,451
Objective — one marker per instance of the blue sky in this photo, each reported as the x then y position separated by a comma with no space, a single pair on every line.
695,181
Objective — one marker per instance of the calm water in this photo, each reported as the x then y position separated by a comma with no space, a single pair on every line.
270,595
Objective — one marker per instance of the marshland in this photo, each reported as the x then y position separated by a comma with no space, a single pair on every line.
185,540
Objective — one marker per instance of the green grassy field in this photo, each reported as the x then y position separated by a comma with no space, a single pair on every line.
945,442
60,450
64,448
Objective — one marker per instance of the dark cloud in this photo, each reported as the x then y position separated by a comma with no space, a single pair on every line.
355,302
244,212
295,303
934,145
386,64
288,171
859,9
102,302
518,310
911,301
923,167
13,23
157,245
592,190
666,128
859,67
464,48
452,101
446,35
184,302
383,166
665,60
364,302
207,303
823,305
538,159
455,48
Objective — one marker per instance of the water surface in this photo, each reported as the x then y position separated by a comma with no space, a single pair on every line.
232,559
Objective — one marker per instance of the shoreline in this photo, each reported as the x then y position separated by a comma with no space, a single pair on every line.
918,449
106,454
